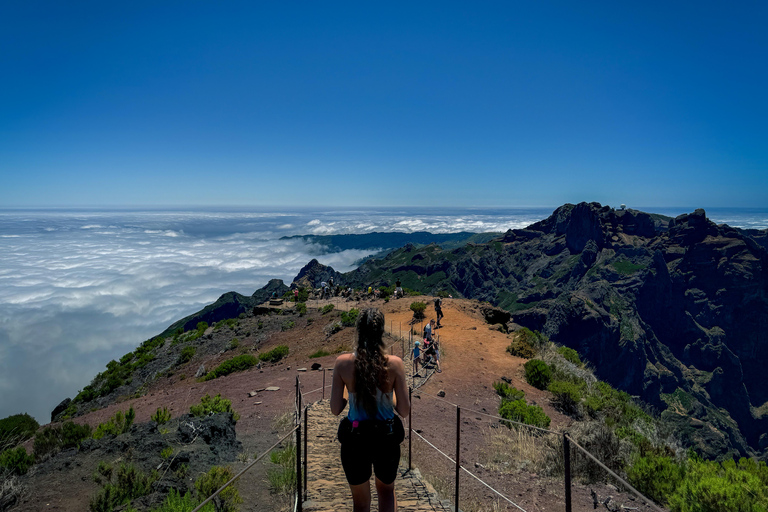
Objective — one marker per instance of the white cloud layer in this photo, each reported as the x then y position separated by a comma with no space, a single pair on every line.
79,288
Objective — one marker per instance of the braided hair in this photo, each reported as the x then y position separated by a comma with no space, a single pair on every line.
370,360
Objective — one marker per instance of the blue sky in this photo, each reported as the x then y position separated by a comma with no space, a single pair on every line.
355,103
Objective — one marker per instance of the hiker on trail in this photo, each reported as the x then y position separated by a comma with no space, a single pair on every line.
439,310
428,330
416,357
371,433
432,350
398,289
295,295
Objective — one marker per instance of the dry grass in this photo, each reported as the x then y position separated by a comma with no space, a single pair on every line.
511,450
10,489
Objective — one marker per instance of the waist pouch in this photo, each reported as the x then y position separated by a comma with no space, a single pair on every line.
381,430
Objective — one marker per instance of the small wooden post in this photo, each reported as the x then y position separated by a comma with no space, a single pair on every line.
458,454
567,460
323,383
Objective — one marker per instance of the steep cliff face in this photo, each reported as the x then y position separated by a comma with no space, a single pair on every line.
672,310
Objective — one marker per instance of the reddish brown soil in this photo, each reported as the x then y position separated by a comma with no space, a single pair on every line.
473,358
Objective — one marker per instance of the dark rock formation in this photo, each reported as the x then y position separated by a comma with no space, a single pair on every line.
671,310
60,408
314,273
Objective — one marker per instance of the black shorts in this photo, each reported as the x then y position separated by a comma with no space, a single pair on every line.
370,448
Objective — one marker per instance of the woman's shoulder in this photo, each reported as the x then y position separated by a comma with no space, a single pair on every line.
345,359
394,361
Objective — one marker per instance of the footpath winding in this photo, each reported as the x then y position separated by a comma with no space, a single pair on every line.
327,488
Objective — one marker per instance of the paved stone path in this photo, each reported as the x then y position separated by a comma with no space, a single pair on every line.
327,488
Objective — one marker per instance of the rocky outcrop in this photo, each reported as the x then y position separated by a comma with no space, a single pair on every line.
671,310
314,273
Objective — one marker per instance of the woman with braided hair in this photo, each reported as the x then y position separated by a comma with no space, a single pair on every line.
371,433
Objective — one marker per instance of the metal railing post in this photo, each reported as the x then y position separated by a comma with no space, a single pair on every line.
458,454
567,460
298,465
306,453
323,383
410,428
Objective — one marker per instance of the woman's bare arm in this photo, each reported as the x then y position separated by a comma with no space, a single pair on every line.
403,401
338,402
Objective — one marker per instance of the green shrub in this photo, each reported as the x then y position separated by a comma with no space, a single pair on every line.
710,486
16,429
260,324
538,373
418,309
567,396
508,392
234,344
288,325
213,405
570,355
326,309
187,353
228,499
229,322
118,424
283,478
127,483
236,364
521,349
533,338
16,460
614,406
319,353
161,416
53,439
301,308
275,354
518,410
177,502
656,476
348,319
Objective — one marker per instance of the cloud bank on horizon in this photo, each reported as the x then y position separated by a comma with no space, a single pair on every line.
79,288
433,103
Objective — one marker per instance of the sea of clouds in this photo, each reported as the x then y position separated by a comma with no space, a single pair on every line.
80,288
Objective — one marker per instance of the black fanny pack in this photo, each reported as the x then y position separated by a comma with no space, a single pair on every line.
384,430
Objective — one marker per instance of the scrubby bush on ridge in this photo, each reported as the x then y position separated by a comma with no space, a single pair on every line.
275,354
538,373
236,364
213,405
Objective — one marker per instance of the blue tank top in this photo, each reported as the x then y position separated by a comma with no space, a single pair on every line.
385,409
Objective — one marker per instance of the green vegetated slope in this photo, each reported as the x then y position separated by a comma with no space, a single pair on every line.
670,310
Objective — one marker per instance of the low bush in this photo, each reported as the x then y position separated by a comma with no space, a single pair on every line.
319,353
16,429
418,309
656,476
288,325
118,424
283,478
518,410
125,484
236,364
570,355
228,499
161,416
213,405
348,319
537,373
301,308
566,396
229,322
16,460
275,354
508,392
54,439
177,502
187,353
521,349
533,338
326,309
